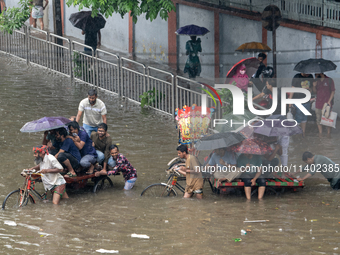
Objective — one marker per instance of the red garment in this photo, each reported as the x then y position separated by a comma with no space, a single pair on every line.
323,91
241,80
40,149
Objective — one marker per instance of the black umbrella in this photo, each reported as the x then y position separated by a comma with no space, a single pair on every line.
315,65
192,30
84,21
219,140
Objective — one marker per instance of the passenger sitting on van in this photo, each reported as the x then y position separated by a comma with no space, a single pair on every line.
122,165
84,144
102,141
252,167
68,155
49,140
220,159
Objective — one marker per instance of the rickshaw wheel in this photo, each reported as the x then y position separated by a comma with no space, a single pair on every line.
15,198
158,190
102,183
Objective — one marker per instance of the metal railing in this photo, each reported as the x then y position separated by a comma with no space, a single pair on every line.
38,48
133,75
319,12
165,91
108,70
161,86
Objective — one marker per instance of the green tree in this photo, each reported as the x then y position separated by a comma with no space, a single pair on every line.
15,17
151,8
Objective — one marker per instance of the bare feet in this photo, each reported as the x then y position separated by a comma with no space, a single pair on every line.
90,171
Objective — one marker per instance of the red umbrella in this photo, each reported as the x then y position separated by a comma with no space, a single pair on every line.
252,64
252,146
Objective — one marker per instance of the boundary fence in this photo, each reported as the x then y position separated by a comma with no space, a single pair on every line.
104,70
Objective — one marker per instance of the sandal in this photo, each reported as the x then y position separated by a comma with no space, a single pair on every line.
69,175
88,173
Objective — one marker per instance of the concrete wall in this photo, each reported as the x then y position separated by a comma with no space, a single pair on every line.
235,31
190,15
151,39
292,46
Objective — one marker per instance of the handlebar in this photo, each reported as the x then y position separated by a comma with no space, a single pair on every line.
173,171
26,172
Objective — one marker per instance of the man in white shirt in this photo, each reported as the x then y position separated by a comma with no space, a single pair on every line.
94,112
50,169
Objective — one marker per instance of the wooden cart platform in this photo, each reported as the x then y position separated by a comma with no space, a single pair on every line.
274,184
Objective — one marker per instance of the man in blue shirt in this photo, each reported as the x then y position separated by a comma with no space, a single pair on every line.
221,157
68,155
84,144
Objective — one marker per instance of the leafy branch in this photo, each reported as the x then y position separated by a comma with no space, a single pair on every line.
14,17
151,8
151,98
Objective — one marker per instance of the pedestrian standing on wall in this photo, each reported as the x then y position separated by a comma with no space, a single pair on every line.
193,65
38,12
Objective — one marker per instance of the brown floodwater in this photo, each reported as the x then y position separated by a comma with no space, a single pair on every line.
304,222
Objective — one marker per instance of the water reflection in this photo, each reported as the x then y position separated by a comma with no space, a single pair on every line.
88,222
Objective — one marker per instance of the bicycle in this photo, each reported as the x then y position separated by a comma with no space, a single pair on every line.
20,197
167,189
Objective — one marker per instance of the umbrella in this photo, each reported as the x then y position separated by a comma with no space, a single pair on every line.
275,128
43,124
84,20
218,140
315,65
192,30
253,46
252,146
247,132
252,64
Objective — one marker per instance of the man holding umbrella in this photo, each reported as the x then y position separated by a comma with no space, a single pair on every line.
91,39
323,87
305,81
90,27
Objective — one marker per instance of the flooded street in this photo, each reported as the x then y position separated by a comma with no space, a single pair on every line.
304,222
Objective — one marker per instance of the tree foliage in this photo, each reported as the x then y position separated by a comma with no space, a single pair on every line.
151,8
14,17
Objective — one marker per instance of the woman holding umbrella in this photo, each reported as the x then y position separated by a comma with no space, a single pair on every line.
192,47
193,64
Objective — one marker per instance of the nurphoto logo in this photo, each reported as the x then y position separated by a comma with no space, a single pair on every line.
238,100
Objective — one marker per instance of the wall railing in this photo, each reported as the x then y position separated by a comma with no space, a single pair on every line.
105,70
318,12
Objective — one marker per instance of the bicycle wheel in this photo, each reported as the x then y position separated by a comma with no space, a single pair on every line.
158,190
16,199
102,184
